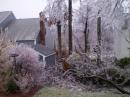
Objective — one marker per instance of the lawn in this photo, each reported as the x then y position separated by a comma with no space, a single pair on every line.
55,92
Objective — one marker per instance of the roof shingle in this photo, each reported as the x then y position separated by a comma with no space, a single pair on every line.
6,18
43,50
24,29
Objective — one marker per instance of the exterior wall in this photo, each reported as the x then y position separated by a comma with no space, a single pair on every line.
50,60
50,37
122,38
122,46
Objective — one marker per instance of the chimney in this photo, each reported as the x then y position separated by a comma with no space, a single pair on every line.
42,32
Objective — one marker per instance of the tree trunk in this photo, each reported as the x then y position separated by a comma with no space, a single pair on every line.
99,41
70,26
59,38
86,34
42,32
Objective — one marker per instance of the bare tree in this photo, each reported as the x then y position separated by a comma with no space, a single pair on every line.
86,33
70,26
99,41
59,37
57,16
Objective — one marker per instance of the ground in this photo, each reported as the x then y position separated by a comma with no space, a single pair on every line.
19,94
56,92
60,92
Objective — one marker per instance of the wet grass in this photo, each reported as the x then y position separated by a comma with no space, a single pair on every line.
55,92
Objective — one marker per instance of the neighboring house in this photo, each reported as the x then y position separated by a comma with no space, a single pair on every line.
31,31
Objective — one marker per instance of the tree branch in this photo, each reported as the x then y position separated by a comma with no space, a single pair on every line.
99,77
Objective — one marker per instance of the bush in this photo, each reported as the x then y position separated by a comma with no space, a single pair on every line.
11,87
27,70
123,62
5,62
118,76
25,74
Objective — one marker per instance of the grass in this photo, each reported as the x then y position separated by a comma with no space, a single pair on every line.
55,92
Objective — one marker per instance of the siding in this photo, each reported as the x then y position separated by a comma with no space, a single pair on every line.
121,45
50,60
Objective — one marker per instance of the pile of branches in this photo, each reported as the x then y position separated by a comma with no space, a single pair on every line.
85,70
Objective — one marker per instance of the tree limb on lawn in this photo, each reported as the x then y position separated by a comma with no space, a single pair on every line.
78,73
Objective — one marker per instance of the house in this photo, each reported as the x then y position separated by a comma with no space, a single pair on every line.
30,31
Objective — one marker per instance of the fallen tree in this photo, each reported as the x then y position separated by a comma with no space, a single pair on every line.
81,75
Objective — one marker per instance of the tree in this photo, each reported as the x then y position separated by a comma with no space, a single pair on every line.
70,26
109,10
42,32
56,13
59,38
111,13
86,33
99,41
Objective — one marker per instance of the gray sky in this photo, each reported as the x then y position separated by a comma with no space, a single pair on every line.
23,8
28,8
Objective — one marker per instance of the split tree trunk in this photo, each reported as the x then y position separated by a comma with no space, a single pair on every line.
42,32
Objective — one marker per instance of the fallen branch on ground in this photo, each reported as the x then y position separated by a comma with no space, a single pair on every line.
79,74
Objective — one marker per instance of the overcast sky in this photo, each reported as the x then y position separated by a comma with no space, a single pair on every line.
23,8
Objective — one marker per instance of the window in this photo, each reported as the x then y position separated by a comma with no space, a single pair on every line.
40,58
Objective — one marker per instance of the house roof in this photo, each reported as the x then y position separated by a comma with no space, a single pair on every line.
43,50
4,15
6,18
24,29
